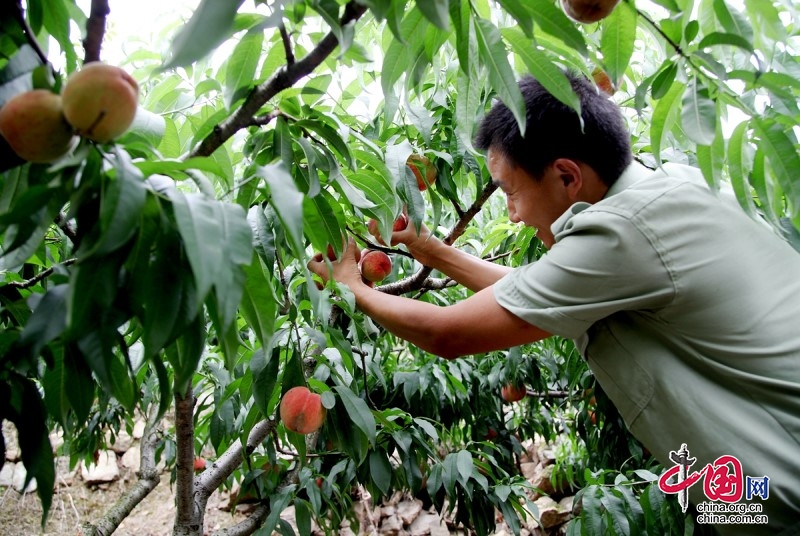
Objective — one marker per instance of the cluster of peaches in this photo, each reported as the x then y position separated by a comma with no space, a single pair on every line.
98,103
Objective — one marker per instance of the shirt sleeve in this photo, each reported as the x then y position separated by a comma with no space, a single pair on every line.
601,263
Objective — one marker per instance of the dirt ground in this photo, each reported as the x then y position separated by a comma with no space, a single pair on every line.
20,515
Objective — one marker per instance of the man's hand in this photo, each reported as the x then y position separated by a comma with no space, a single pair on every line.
345,270
419,245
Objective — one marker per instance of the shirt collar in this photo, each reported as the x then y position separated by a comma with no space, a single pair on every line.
632,174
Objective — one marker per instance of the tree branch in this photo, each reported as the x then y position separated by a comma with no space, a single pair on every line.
95,30
148,480
40,276
285,78
287,45
421,278
19,15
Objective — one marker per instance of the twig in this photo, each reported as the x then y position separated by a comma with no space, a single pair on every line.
95,30
19,14
283,79
287,45
38,277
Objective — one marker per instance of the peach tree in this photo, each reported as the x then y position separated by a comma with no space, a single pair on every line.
163,272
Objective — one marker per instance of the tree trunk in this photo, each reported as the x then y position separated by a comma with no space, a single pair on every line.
189,515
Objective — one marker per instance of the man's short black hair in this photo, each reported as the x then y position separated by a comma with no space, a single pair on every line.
553,131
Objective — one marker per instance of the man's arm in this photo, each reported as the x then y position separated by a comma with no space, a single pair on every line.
472,326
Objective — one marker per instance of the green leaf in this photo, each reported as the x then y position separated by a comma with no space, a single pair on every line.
711,159
732,20
287,201
324,221
167,166
329,134
553,21
240,68
57,22
79,384
210,25
22,404
97,348
121,204
47,321
464,464
739,162
617,40
783,158
435,11
380,470
721,38
663,115
358,411
184,354
259,305
544,70
264,367
663,80
521,13
501,77
699,114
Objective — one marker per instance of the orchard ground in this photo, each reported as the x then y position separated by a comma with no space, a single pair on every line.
84,496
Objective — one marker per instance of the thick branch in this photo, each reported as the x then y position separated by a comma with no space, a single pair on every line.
283,79
213,477
148,480
259,515
95,30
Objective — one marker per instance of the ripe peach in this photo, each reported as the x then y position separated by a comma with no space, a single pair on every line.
415,161
603,81
33,124
302,411
375,265
513,393
399,225
588,11
100,101
199,464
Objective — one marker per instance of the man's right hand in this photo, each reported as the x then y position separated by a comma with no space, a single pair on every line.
419,245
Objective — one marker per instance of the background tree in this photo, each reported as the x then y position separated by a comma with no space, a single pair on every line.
166,270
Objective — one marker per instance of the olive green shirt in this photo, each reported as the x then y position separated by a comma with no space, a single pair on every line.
688,312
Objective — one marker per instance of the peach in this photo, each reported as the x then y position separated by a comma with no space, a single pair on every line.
603,81
33,124
100,101
199,464
513,392
415,161
302,411
588,11
375,265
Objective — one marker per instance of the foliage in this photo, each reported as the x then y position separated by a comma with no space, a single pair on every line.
169,267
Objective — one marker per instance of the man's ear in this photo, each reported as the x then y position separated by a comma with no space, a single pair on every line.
570,174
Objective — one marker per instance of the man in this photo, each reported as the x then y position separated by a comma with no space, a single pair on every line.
687,310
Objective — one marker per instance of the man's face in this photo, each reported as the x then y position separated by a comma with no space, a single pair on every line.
535,203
